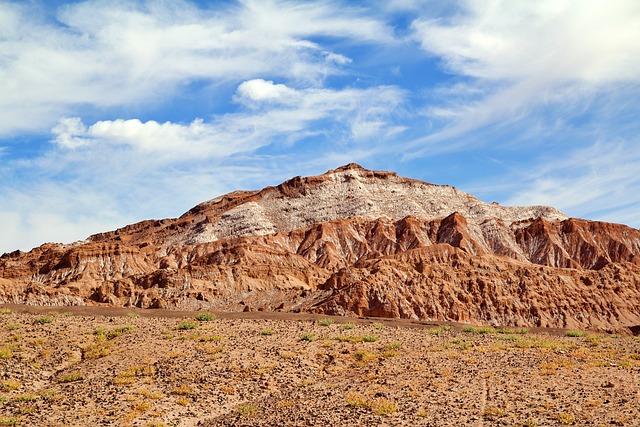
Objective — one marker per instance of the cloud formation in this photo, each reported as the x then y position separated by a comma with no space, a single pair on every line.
521,56
107,54
115,111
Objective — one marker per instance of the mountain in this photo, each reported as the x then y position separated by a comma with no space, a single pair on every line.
351,242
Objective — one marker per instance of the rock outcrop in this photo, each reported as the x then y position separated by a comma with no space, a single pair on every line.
352,242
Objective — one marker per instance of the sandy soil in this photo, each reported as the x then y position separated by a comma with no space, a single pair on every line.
102,367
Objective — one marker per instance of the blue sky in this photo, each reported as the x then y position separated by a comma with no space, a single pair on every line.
117,111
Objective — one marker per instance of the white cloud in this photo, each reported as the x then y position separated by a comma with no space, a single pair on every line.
171,140
110,53
549,41
260,90
364,112
594,182
519,58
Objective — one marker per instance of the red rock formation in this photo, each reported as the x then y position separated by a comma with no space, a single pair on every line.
351,241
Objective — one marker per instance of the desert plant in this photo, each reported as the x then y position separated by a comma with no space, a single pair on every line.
575,334
186,325
9,421
72,377
43,319
182,390
247,411
11,385
364,356
266,332
348,326
325,322
5,311
308,336
6,352
478,329
25,398
357,400
564,418
205,317
382,406
99,348
493,412
377,326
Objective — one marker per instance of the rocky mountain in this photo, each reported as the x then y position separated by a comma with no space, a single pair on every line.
352,242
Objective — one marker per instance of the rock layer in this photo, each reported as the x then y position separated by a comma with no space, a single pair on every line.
352,242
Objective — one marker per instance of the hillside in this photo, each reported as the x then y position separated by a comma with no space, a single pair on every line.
351,242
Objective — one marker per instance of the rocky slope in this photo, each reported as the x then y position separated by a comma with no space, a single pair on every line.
353,242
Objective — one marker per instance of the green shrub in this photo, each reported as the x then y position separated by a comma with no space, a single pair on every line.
325,322
186,325
307,337
205,317
44,319
247,411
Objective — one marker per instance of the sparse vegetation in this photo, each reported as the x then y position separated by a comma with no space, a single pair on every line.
43,320
576,333
358,338
565,418
72,377
382,406
479,329
182,390
11,385
308,336
370,374
186,325
205,317
99,348
348,326
9,421
6,352
247,411
325,322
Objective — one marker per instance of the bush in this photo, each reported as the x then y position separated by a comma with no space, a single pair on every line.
307,337
205,317
186,325
42,320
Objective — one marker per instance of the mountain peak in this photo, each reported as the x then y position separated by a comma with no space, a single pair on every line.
351,241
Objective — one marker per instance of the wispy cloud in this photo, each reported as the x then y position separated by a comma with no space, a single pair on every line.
144,108
102,53
117,171
518,57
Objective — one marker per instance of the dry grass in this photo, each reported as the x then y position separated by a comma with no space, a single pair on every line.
230,371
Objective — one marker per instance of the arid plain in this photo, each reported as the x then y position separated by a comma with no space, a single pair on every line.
82,366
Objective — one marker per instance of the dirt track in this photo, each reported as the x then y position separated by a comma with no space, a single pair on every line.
149,368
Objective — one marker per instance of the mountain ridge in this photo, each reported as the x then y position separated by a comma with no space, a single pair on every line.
351,242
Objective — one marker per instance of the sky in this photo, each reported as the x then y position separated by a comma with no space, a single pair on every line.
116,111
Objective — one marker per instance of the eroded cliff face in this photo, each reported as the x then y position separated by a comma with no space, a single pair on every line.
352,242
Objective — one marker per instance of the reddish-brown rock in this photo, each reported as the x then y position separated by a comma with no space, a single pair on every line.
351,241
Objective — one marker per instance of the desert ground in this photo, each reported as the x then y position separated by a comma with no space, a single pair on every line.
80,366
